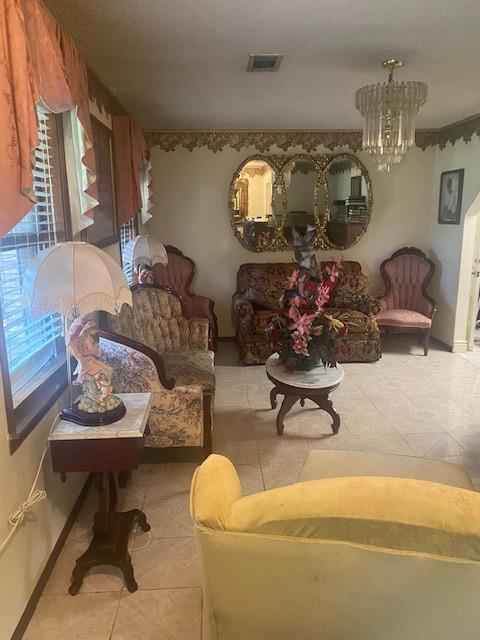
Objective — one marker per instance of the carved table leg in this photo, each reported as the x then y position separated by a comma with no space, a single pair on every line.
326,405
287,404
111,532
273,397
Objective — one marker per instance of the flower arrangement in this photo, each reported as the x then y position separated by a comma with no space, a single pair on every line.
303,333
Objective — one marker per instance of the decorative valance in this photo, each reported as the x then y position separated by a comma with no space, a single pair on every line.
132,169
18,121
41,62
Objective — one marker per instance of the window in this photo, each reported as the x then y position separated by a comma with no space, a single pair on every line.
128,230
33,351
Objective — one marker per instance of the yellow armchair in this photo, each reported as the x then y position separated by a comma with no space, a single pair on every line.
362,557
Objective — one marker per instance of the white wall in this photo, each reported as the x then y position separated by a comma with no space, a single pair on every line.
23,560
453,245
190,191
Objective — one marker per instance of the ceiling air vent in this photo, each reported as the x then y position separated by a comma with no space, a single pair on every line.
264,61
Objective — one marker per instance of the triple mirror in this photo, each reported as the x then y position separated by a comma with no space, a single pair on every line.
325,201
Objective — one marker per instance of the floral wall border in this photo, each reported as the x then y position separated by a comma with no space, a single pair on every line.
264,139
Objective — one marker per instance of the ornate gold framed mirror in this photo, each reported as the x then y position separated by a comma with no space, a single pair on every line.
274,200
349,201
253,207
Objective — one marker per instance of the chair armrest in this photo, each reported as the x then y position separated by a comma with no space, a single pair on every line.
118,351
242,313
198,333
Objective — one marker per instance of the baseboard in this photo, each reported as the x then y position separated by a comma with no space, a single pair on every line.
42,581
460,346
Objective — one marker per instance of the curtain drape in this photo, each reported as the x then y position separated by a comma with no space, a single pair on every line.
131,159
18,120
39,60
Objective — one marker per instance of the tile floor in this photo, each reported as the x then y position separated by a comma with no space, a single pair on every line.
405,404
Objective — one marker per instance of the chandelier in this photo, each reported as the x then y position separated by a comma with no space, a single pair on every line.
389,110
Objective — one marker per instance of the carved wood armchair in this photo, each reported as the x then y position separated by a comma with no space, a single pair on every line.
406,305
178,274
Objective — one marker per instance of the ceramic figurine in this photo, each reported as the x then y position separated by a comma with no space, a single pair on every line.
94,375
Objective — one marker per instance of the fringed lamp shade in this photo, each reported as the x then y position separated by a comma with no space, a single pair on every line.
145,250
75,278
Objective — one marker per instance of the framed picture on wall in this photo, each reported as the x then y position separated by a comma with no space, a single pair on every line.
104,231
450,203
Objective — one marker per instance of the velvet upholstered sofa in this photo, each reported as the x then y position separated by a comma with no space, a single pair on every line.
366,546
153,347
258,291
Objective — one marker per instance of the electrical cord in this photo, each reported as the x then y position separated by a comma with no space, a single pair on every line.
35,496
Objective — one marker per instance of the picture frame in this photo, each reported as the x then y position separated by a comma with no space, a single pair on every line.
450,197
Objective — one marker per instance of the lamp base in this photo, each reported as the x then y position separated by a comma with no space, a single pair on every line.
74,414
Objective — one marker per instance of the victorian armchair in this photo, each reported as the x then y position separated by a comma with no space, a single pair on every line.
178,274
259,287
154,347
406,306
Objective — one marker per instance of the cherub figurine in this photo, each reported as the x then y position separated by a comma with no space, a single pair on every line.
94,375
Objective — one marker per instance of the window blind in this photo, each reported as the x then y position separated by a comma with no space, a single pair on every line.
127,233
31,341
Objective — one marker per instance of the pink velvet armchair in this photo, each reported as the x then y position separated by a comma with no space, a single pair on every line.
178,275
406,306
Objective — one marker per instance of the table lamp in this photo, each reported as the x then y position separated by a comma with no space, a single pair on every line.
142,252
74,279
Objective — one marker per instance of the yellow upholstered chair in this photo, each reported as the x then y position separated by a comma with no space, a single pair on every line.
345,557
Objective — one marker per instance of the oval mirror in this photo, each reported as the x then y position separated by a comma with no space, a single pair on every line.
349,201
252,204
300,219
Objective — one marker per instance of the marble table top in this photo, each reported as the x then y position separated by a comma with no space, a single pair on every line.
132,425
317,378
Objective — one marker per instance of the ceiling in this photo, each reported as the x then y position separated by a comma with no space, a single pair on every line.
181,63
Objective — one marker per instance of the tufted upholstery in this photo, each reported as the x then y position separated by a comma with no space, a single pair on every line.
156,321
406,306
259,287
178,274
182,416
406,274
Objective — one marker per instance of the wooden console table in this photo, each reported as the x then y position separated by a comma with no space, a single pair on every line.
105,451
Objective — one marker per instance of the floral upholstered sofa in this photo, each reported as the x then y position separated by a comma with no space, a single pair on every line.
153,347
259,287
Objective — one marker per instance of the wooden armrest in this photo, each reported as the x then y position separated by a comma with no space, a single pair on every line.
155,357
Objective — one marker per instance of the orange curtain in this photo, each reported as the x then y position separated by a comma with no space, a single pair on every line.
18,120
38,60
131,155
46,57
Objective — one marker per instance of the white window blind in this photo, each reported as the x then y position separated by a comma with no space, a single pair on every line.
127,233
32,342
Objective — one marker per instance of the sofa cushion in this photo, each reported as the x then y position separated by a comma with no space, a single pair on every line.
403,318
336,464
356,321
190,367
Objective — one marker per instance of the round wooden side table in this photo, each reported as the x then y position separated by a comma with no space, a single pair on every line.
315,385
